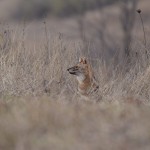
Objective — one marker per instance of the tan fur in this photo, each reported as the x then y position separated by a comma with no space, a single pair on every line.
85,78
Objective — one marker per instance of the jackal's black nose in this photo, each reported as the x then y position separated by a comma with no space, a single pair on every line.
67,69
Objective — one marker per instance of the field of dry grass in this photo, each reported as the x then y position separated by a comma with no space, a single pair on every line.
39,107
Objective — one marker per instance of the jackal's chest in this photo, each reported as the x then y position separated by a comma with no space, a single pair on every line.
87,87
81,79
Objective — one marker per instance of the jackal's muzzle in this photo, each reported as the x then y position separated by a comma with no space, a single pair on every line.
73,70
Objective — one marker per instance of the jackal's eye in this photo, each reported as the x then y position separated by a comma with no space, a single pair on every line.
76,67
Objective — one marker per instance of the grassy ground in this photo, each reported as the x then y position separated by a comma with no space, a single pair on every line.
46,123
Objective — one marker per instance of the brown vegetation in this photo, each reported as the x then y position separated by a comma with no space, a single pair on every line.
46,123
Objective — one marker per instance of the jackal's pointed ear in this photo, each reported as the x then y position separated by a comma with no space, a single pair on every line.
80,60
83,60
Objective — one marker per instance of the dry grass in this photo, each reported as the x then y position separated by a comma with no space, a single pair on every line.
41,68
46,123
39,108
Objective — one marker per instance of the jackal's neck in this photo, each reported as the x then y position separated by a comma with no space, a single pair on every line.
81,79
84,82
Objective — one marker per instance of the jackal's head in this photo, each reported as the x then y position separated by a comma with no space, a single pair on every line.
81,70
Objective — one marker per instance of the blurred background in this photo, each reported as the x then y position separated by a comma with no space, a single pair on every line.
103,27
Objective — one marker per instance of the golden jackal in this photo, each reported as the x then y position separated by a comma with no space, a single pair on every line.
85,78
